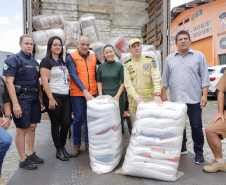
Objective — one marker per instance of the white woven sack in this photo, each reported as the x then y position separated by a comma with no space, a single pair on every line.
105,134
154,150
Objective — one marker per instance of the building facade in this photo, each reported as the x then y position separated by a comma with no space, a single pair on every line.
207,26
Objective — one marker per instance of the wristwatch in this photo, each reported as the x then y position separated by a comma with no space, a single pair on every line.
8,116
157,94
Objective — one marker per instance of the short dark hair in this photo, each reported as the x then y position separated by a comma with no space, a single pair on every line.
182,32
23,36
49,45
108,45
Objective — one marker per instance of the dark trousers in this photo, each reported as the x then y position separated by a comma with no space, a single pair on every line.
195,117
80,116
60,118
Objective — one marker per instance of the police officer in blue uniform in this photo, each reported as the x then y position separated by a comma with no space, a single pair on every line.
21,73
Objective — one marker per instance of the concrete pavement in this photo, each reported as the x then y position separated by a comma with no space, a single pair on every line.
43,136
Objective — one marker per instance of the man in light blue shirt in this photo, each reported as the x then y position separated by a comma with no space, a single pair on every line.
186,74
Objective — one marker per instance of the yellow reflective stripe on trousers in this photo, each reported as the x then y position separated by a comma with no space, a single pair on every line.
157,87
133,94
148,90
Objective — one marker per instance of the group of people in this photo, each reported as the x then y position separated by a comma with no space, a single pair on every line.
76,81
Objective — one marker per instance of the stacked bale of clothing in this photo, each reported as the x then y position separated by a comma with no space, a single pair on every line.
105,135
155,145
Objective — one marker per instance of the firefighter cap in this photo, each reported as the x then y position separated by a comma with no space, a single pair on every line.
134,40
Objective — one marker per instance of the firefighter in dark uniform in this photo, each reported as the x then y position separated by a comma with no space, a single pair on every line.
21,73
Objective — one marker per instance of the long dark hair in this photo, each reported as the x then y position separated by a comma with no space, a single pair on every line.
108,45
49,45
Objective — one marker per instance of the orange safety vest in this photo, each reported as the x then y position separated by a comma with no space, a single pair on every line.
86,73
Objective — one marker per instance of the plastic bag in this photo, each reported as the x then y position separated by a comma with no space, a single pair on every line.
98,49
149,50
125,57
43,22
40,52
105,135
120,44
72,32
41,37
155,145
89,27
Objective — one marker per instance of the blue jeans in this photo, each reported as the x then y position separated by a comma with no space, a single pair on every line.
195,117
5,142
80,116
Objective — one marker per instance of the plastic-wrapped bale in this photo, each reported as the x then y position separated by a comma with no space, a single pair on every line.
105,137
72,32
125,57
40,52
43,22
151,52
89,27
155,145
120,44
98,49
41,37
71,50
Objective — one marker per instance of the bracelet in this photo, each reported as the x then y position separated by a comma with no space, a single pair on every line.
8,116
157,94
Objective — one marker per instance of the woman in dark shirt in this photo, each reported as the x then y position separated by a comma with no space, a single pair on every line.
56,97
110,79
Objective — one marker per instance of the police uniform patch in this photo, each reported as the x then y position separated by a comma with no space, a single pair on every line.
37,68
90,60
5,67
146,67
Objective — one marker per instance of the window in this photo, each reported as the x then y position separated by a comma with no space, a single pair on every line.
223,69
180,23
186,20
222,59
211,71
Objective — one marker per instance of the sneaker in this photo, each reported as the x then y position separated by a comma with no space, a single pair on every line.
28,164
184,152
35,159
215,167
199,160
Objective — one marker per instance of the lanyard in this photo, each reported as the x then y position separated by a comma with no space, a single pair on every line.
61,65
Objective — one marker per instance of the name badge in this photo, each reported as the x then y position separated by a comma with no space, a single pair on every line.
65,81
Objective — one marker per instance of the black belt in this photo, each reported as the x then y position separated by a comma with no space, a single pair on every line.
29,90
